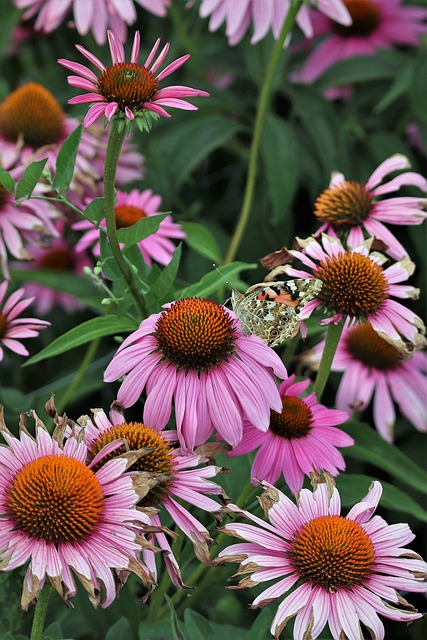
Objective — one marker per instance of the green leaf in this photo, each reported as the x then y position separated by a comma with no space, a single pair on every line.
140,230
53,632
175,626
121,630
196,627
160,289
202,240
260,627
65,282
280,141
371,447
83,333
357,69
32,173
353,488
66,161
417,94
214,280
6,180
95,211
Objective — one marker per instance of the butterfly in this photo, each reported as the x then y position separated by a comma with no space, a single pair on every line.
270,310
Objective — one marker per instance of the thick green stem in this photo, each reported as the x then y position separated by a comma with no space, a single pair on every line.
115,141
263,104
40,613
332,339
87,360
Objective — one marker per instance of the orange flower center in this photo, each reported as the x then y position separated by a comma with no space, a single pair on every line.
353,284
57,260
345,205
127,83
365,345
3,325
4,196
55,499
294,421
333,552
366,17
33,113
196,334
126,215
139,436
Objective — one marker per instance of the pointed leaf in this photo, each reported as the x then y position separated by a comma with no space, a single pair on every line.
32,173
95,211
140,230
83,333
371,447
158,292
66,161
6,180
202,240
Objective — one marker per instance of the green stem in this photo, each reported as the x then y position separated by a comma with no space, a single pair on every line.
61,200
263,104
40,613
89,356
332,339
115,141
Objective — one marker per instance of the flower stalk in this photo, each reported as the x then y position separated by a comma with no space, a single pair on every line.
40,613
332,339
263,104
115,142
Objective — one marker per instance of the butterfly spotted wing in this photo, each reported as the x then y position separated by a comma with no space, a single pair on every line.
270,310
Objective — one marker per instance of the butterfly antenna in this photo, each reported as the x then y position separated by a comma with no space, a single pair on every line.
225,279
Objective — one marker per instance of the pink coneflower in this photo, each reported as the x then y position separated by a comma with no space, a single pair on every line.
59,257
130,208
34,126
195,354
12,328
373,368
64,517
355,286
349,208
264,16
128,88
345,569
376,24
24,224
182,478
94,15
301,439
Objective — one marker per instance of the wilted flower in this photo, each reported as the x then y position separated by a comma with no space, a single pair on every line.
345,569
181,478
355,286
64,517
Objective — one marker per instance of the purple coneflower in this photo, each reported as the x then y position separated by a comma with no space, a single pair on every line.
195,354
349,207
375,24
183,478
94,15
64,517
128,88
33,126
373,368
264,16
344,570
13,328
301,439
130,208
355,286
